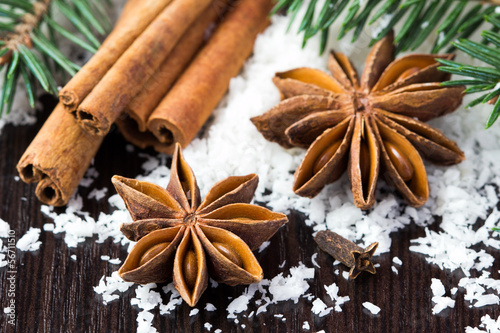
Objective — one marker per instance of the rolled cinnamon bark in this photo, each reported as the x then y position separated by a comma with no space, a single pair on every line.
58,157
129,129
143,104
197,92
132,70
135,17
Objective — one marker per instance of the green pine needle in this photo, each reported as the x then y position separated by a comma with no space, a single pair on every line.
38,58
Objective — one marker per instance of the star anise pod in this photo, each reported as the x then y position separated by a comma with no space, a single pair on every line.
370,126
181,237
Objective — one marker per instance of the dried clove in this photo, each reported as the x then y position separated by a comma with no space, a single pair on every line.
348,253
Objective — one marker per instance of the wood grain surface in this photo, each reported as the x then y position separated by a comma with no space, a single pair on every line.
55,293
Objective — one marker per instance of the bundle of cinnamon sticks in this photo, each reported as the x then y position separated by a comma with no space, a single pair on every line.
158,75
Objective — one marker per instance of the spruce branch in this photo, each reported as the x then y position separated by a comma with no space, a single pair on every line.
29,42
419,19
484,80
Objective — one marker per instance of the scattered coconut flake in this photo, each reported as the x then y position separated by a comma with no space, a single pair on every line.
48,227
333,291
489,325
73,256
305,326
345,275
105,257
210,307
208,326
146,298
218,330
115,261
293,286
313,259
110,284
263,246
371,307
17,178
194,312
442,302
397,261
238,305
476,290
319,308
278,315
29,242
4,229
213,283
129,148
145,322
3,262
175,299
78,224
89,177
98,194
395,270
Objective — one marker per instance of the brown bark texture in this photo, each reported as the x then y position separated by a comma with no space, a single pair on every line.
197,92
135,17
138,63
58,157
159,84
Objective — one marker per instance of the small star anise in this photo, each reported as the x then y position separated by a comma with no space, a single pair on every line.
369,126
181,237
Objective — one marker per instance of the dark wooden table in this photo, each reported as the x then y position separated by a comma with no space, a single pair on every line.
55,293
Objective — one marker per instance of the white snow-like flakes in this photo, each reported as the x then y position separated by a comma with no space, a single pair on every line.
29,241
371,307
460,195
441,302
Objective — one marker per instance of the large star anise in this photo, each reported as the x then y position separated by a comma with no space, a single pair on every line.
180,236
369,126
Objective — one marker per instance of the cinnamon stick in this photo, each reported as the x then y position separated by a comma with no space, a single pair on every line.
131,71
136,16
130,130
58,157
197,92
159,84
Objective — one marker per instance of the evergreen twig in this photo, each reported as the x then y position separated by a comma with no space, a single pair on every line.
28,42
420,18
483,79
